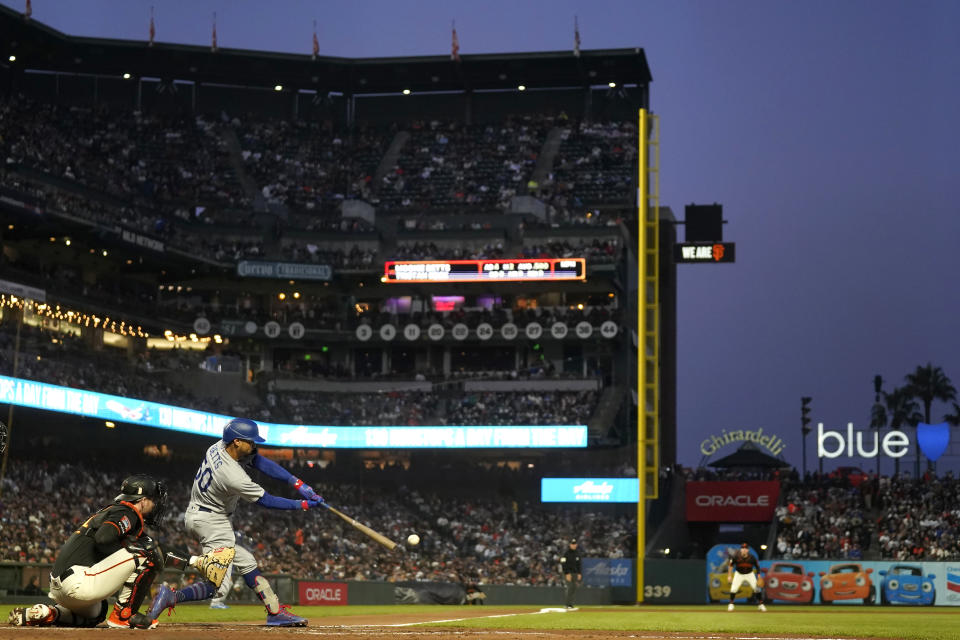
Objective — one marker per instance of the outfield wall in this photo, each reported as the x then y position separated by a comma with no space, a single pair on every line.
840,582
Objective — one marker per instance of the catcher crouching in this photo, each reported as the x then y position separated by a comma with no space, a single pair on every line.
110,552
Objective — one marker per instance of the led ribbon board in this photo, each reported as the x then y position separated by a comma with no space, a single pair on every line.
51,397
590,490
526,270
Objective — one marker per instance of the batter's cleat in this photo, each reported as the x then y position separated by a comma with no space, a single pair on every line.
39,615
166,598
730,607
219,605
284,618
123,618
762,607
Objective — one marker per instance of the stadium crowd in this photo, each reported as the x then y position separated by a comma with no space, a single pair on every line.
66,360
486,540
895,517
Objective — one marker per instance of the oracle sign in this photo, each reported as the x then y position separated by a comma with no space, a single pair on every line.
747,501
328,593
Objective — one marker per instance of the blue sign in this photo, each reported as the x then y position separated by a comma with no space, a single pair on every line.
933,439
40,395
590,490
608,572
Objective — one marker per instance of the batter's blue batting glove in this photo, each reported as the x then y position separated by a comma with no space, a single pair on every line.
313,504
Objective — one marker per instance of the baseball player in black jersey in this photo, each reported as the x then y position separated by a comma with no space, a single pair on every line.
743,568
570,567
110,552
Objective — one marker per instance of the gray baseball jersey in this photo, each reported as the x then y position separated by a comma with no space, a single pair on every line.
221,481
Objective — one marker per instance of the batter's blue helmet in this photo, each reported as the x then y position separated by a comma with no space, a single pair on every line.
243,429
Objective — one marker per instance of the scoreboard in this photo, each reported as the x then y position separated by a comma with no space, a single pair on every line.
512,270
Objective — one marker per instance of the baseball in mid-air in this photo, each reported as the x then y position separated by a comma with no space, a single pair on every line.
413,539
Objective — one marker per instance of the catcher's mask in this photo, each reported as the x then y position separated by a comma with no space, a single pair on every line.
136,488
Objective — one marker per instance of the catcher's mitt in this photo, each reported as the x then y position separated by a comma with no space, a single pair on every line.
215,564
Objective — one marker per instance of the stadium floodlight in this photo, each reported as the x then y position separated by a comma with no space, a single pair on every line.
278,87
521,87
12,58
612,85
406,92
126,76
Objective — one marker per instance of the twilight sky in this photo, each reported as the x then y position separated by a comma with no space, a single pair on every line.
828,130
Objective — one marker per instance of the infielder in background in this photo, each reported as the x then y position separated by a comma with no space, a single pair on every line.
570,567
219,483
743,568
109,552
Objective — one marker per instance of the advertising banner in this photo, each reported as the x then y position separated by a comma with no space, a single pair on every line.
608,572
284,270
589,490
51,397
745,501
323,593
843,582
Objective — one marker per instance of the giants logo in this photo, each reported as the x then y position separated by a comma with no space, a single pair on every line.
731,501
323,593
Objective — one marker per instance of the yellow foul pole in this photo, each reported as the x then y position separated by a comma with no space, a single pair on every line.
648,328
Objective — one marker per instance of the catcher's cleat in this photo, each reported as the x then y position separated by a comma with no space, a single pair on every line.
123,618
283,618
166,598
39,615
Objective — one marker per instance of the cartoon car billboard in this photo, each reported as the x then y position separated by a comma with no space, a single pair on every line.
787,581
906,584
848,581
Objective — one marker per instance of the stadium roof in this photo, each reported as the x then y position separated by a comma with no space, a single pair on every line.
749,456
39,47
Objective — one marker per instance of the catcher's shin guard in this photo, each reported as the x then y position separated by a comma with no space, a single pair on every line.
68,618
137,587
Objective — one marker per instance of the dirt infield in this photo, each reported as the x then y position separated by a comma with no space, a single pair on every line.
403,626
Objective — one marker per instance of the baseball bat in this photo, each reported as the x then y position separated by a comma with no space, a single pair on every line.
362,528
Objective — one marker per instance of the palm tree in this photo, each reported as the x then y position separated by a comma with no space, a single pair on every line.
878,420
929,383
954,418
904,411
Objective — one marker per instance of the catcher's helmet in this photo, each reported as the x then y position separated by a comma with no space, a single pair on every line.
137,487
243,429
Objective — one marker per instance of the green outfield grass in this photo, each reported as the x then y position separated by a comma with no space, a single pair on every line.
822,622
940,623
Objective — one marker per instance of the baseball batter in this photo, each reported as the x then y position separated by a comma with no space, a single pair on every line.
743,568
220,482
108,553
